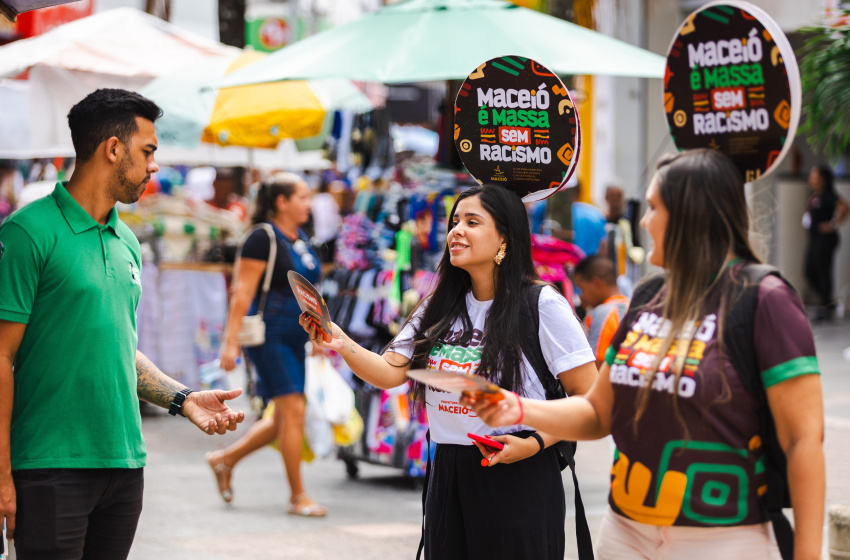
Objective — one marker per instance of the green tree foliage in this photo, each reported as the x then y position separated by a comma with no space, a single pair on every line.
825,74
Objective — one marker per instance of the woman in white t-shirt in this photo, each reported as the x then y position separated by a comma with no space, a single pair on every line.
515,507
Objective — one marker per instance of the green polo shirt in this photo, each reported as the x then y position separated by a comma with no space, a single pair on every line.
76,285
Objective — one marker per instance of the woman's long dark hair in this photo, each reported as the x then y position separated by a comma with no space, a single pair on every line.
703,193
280,184
501,356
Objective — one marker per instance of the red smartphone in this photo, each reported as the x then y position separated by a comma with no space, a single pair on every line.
487,442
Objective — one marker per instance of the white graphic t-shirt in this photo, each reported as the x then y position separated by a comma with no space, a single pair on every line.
562,341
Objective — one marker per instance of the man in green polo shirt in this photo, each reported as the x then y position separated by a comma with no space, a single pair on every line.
71,445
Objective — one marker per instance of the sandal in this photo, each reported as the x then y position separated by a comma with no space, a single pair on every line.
311,510
222,473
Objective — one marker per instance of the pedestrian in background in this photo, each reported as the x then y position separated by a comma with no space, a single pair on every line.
825,212
515,507
284,204
71,446
224,196
596,277
692,464
326,221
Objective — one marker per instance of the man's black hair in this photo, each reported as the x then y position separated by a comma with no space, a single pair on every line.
599,266
105,113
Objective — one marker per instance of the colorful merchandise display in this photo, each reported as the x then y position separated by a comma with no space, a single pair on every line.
385,266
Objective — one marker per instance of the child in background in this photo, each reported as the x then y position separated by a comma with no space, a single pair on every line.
596,277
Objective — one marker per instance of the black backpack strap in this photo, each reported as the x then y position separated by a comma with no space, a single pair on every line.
529,324
530,343
425,495
583,540
739,341
645,292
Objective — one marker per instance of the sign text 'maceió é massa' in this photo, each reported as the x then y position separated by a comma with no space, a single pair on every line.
516,125
732,84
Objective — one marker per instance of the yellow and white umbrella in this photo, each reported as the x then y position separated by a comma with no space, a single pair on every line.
257,116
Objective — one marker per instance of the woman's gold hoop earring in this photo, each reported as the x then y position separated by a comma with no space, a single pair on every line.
500,256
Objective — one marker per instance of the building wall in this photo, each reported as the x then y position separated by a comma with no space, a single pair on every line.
662,21
618,119
789,14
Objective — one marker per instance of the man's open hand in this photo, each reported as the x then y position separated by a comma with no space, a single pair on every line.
208,411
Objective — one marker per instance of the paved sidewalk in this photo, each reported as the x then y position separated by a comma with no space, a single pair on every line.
378,515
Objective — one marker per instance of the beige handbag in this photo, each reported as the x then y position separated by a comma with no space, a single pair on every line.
252,331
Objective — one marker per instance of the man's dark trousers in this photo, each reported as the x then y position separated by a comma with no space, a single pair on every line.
77,514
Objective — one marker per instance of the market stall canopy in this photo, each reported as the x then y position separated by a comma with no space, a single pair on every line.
430,40
122,42
121,48
254,116
285,156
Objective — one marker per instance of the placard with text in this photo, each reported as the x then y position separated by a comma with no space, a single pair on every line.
732,84
516,125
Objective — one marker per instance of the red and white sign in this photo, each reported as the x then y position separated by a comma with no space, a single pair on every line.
39,21
274,33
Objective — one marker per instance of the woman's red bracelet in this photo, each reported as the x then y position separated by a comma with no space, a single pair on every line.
521,413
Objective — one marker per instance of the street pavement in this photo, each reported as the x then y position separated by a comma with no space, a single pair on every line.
377,515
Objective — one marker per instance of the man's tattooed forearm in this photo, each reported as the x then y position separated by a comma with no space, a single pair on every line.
152,385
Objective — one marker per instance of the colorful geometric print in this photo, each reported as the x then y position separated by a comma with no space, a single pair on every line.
693,482
694,456
704,494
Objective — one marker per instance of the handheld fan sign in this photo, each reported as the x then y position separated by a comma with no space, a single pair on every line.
458,383
732,84
516,125
311,302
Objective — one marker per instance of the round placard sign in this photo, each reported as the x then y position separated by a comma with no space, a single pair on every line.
732,84
516,125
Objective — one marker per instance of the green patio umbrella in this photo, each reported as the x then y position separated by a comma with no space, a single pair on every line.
432,40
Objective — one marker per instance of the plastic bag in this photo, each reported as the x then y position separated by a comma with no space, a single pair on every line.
306,453
325,386
329,401
350,432
211,376
318,434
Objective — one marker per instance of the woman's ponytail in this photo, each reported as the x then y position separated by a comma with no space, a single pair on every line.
263,206
280,184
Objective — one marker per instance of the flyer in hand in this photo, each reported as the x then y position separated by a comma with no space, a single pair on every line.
458,383
311,302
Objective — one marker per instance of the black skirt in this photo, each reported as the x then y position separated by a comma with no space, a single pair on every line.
508,512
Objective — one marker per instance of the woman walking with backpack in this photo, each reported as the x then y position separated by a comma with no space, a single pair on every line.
707,359
515,507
